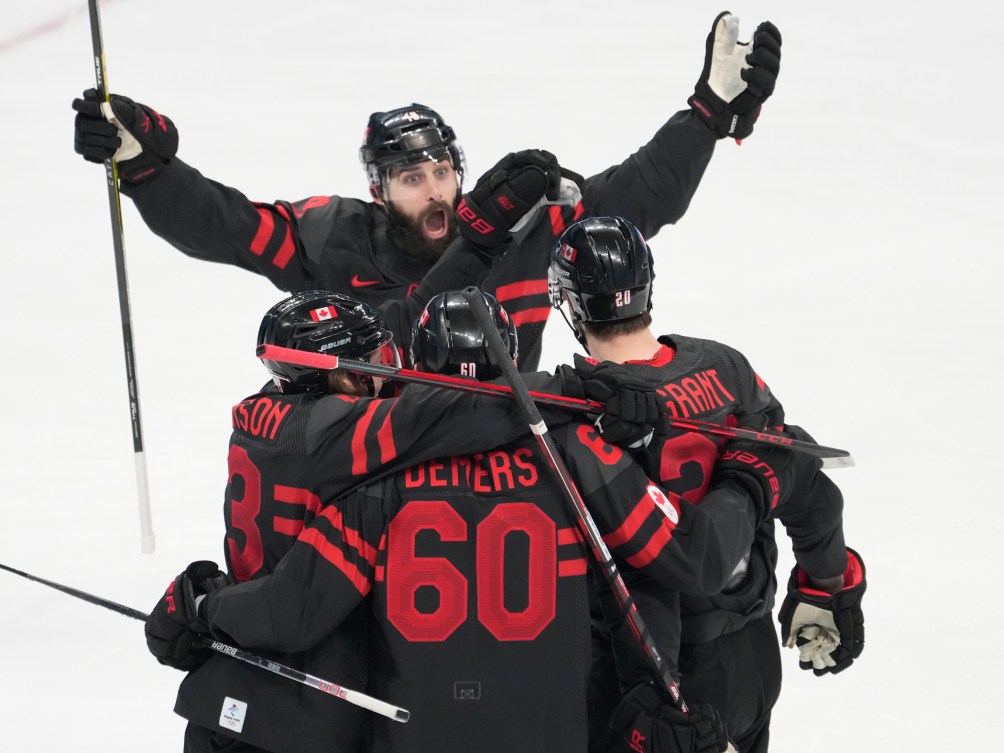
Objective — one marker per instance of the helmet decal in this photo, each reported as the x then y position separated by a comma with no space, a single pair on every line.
318,321
447,338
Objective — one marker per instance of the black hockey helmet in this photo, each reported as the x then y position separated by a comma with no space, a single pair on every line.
404,136
603,267
318,321
447,338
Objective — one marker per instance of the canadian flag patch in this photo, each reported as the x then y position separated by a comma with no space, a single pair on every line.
568,252
320,315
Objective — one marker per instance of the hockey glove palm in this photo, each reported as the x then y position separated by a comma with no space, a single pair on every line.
632,405
737,78
504,194
828,629
174,626
651,724
140,139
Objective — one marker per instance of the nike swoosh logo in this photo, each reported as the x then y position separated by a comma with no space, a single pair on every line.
357,283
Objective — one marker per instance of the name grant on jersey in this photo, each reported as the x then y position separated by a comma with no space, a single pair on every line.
484,472
701,392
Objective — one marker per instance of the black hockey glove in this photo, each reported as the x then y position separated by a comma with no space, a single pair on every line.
632,405
504,194
737,78
651,724
140,139
828,629
174,625
767,473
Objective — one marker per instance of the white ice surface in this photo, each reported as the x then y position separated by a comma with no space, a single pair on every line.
851,248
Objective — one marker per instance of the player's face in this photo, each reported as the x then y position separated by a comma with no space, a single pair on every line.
424,194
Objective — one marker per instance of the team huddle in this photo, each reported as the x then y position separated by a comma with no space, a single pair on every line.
410,539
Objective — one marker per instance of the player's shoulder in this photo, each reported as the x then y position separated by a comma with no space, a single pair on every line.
703,347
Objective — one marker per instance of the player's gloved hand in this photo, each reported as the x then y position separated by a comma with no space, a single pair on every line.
827,628
651,724
175,625
737,77
140,139
632,405
767,473
504,194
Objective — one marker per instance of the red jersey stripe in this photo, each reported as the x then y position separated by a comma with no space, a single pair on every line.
632,525
569,536
285,252
359,456
293,495
519,289
653,547
385,436
336,557
568,568
530,316
265,228
350,536
287,527
557,222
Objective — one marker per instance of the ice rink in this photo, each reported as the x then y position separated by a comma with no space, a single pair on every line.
851,248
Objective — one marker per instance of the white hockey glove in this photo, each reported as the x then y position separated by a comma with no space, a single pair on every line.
737,77
827,629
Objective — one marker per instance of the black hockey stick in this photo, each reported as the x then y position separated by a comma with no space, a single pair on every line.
831,456
147,541
576,504
354,697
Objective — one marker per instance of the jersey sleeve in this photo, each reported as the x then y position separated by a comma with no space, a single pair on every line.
358,438
813,519
691,548
207,220
327,572
653,187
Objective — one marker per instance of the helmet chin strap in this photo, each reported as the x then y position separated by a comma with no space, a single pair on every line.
575,324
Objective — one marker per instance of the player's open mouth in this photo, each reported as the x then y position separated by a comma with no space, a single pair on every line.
435,225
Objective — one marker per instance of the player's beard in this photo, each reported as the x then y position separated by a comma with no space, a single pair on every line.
408,234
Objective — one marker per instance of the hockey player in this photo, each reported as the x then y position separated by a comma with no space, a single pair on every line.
474,576
306,439
414,165
601,280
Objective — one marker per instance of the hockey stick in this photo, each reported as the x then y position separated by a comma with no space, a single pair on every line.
147,541
576,504
354,697
831,456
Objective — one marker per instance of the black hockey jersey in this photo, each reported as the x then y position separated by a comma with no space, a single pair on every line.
707,380
342,244
475,578
288,455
